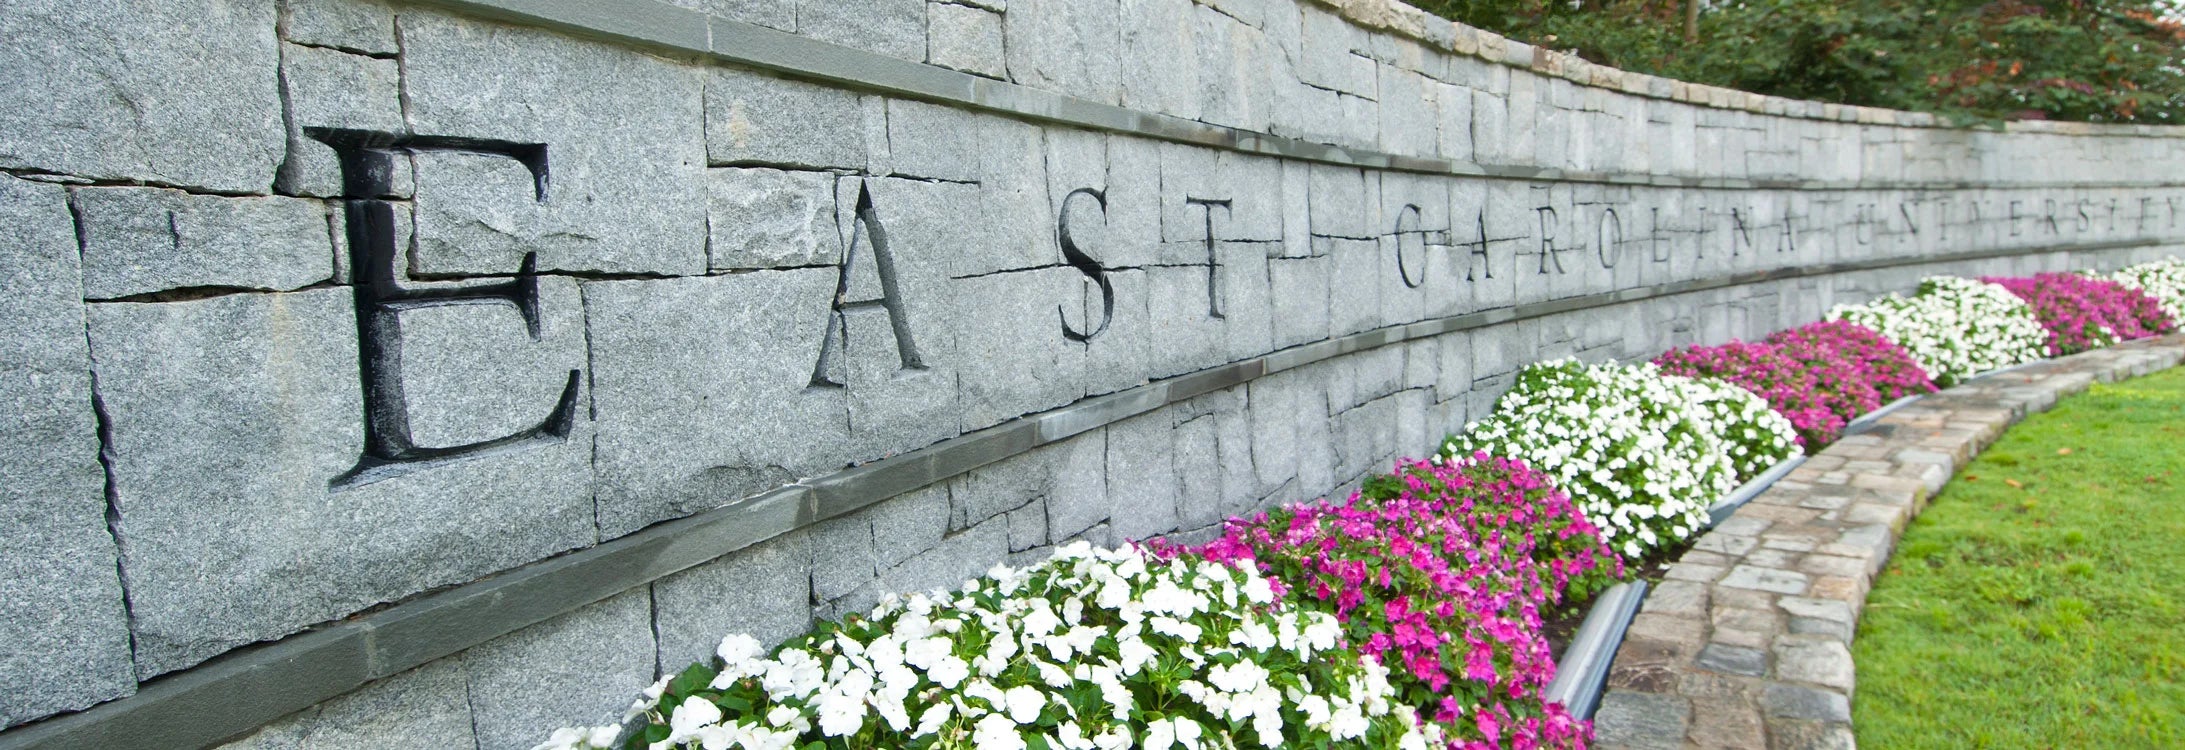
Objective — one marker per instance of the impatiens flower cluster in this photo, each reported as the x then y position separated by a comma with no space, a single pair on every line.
1442,572
2083,312
2163,280
1862,357
1955,328
1793,389
1642,452
1820,376
1092,650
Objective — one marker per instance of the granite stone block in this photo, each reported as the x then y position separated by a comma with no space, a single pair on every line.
690,422
1197,462
145,240
773,14
965,38
360,26
574,670
199,108
67,629
596,213
1299,289
1069,47
763,590
1142,482
423,707
957,558
330,88
754,119
233,421
896,28
1236,87
1159,72
1010,354
1642,721
770,218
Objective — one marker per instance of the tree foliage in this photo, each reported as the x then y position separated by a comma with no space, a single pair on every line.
1971,60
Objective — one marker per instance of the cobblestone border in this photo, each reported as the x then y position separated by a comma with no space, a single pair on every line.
1747,642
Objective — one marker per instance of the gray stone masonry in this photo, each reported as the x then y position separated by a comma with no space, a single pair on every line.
324,313
1747,644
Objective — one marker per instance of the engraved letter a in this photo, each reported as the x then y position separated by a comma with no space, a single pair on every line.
867,234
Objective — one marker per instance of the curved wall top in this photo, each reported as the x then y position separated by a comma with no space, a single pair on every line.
433,373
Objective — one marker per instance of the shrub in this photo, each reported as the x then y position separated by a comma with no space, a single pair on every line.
1643,453
2163,280
1863,358
1953,327
1441,571
1091,649
2083,312
2096,60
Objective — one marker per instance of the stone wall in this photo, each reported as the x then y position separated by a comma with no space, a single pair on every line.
323,305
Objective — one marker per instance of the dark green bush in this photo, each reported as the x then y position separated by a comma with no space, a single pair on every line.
1973,61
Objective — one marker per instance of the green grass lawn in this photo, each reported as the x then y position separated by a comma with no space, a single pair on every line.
2040,601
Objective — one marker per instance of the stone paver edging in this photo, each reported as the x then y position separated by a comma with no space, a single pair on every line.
1746,643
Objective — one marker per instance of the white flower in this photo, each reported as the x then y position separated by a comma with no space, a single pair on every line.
1163,734
1024,703
997,732
931,721
694,714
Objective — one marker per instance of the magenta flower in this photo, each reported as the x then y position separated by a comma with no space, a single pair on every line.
2084,312
1819,376
1441,572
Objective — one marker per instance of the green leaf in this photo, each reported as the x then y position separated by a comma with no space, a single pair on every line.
693,679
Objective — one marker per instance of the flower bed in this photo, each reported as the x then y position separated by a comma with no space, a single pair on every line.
1820,376
1642,452
1442,572
1091,649
1273,635
1409,615
1954,328
2083,312
2163,280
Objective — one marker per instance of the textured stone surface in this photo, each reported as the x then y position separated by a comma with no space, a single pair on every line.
363,26
1641,720
896,28
424,707
189,99
769,218
764,591
567,671
472,373
762,120
965,38
66,629
1070,46
599,214
689,422
329,88
699,235
229,417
